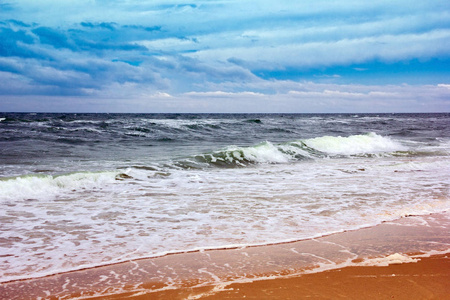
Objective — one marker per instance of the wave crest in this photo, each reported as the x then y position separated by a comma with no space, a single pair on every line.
370,143
327,146
45,186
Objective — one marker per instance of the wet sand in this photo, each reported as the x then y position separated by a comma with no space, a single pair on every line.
329,267
427,279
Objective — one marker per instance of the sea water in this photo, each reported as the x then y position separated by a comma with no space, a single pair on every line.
85,190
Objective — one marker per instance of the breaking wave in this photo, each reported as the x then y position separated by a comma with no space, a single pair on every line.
35,187
41,186
370,144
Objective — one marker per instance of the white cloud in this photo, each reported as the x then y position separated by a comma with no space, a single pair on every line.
345,51
171,44
304,98
162,95
221,94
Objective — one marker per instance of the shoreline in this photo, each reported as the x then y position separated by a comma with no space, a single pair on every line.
425,279
219,248
211,270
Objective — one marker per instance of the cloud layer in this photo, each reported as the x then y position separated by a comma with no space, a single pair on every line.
224,56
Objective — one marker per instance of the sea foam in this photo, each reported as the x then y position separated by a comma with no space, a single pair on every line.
392,259
45,186
356,144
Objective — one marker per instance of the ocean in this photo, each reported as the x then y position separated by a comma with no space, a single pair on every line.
86,190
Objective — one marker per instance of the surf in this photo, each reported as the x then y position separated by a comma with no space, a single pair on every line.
370,144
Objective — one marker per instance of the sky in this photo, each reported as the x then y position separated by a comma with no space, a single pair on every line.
308,56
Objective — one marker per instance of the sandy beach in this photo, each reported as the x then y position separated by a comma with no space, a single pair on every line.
426,279
404,259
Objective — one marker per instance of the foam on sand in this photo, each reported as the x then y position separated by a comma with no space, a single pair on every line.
426,279
395,258
206,273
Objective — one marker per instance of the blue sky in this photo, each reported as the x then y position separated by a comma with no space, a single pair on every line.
224,56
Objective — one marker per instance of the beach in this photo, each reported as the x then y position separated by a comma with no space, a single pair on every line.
403,259
426,279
